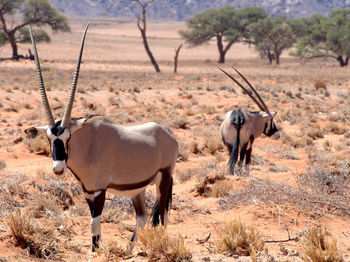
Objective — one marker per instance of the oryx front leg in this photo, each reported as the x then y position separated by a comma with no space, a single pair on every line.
164,193
141,213
96,202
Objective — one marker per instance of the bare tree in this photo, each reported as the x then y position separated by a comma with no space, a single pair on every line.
141,24
177,51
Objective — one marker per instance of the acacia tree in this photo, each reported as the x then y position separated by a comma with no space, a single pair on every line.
321,36
142,26
226,25
272,35
37,12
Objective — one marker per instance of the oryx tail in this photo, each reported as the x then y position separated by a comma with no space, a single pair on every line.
237,120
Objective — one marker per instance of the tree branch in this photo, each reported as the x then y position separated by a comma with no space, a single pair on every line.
283,240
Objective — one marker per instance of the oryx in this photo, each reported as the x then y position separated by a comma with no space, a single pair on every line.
241,127
106,156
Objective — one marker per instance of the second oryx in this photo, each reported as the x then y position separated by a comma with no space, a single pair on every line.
106,156
241,127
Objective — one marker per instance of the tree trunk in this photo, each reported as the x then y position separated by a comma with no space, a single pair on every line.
342,62
277,55
347,60
221,49
270,56
177,51
148,51
13,43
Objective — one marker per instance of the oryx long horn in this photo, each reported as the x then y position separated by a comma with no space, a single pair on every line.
245,89
255,92
68,110
49,116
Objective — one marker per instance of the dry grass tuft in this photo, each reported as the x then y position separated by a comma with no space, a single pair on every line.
2,164
38,240
213,185
38,145
235,238
156,243
318,246
320,84
221,188
113,251
181,123
183,150
213,144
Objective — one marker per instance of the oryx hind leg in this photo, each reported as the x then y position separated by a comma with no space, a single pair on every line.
164,192
141,213
242,154
233,160
248,156
96,201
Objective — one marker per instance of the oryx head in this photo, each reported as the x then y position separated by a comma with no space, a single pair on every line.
58,133
270,128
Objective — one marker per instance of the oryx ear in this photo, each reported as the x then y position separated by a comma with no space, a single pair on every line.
35,131
271,114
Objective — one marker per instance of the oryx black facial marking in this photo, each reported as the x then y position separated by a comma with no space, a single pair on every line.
270,128
59,137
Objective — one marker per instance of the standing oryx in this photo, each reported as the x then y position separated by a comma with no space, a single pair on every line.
105,156
241,127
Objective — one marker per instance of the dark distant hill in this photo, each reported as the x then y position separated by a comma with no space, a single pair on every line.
183,9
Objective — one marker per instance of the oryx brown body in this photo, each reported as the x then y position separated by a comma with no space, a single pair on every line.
105,156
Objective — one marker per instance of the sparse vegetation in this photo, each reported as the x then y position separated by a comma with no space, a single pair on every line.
319,246
236,238
39,240
157,244
312,152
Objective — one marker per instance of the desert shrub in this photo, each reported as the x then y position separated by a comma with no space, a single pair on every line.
319,246
14,184
38,145
183,150
185,175
234,237
195,148
296,143
32,116
112,215
181,123
325,176
221,188
59,189
79,210
320,84
38,240
314,132
207,183
213,144
156,243
308,198
335,129
2,164
113,251
45,206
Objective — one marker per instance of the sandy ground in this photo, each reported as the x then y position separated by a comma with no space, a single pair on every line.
117,80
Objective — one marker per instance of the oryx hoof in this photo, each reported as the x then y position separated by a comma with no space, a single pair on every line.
95,244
